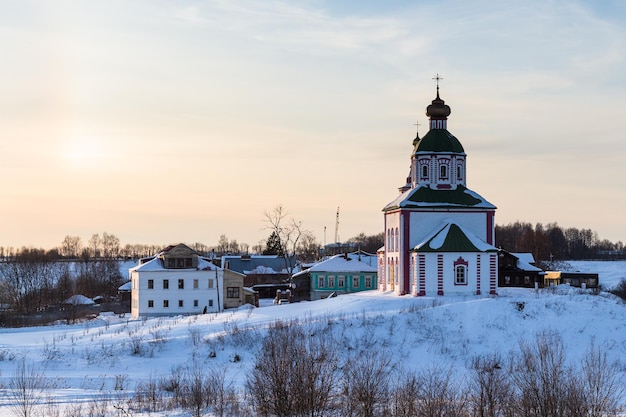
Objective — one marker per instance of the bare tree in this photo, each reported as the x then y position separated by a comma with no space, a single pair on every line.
541,378
26,389
29,279
489,386
406,389
294,374
601,383
95,245
110,246
308,249
196,391
440,393
366,383
288,231
71,246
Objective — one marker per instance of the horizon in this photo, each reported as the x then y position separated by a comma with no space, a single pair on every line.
180,123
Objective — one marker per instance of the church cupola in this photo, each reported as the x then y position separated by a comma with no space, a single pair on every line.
438,159
438,111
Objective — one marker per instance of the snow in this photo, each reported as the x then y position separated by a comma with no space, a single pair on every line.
86,360
79,299
339,263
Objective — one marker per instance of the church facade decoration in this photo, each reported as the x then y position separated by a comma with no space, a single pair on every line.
439,234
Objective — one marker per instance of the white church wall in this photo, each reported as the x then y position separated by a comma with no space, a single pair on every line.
425,223
478,268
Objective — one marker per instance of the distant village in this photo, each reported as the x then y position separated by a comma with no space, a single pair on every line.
439,239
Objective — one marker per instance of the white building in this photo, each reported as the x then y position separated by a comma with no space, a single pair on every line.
176,281
439,235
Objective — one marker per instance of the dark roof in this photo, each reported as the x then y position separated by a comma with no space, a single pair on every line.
439,140
245,264
424,196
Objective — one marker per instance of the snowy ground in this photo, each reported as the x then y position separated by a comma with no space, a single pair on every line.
86,361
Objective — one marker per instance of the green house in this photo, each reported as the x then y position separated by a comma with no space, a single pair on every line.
342,274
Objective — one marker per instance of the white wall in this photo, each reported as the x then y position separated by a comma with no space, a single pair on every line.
141,294
425,223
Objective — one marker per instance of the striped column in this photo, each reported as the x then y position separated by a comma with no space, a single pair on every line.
422,274
478,274
493,272
439,274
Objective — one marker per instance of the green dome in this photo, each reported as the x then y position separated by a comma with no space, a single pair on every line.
439,140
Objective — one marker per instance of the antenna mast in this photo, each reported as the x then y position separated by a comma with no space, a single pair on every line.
337,227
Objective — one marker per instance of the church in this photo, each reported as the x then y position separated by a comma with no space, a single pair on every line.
439,234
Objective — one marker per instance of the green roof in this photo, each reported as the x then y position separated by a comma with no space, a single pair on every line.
425,197
454,240
440,140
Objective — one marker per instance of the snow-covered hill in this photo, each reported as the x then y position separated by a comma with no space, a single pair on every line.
85,361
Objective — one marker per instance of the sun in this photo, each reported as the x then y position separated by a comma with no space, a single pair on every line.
83,153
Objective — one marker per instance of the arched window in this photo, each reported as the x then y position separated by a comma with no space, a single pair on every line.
459,172
460,275
424,171
391,241
443,171
397,239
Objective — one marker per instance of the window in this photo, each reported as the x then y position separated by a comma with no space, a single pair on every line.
166,284
210,303
179,262
443,171
181,284
368,281
166,303
459,172
397,245
459,277
150,303
341,281
232,292
424,171
331,281
180,303
210,283
355,282
320,281
195,303
195,284
150,284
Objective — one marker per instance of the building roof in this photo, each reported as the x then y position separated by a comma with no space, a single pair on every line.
256,264
439,140
343,263
156,264
451,237
423,196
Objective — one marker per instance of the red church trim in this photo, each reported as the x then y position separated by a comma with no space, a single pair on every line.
493,268
404,220
422,274
439,274
489,234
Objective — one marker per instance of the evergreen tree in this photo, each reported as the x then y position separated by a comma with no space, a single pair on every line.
273,245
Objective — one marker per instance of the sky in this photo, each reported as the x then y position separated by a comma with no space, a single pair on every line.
163,122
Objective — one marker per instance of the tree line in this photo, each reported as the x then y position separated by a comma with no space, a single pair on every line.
552,242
